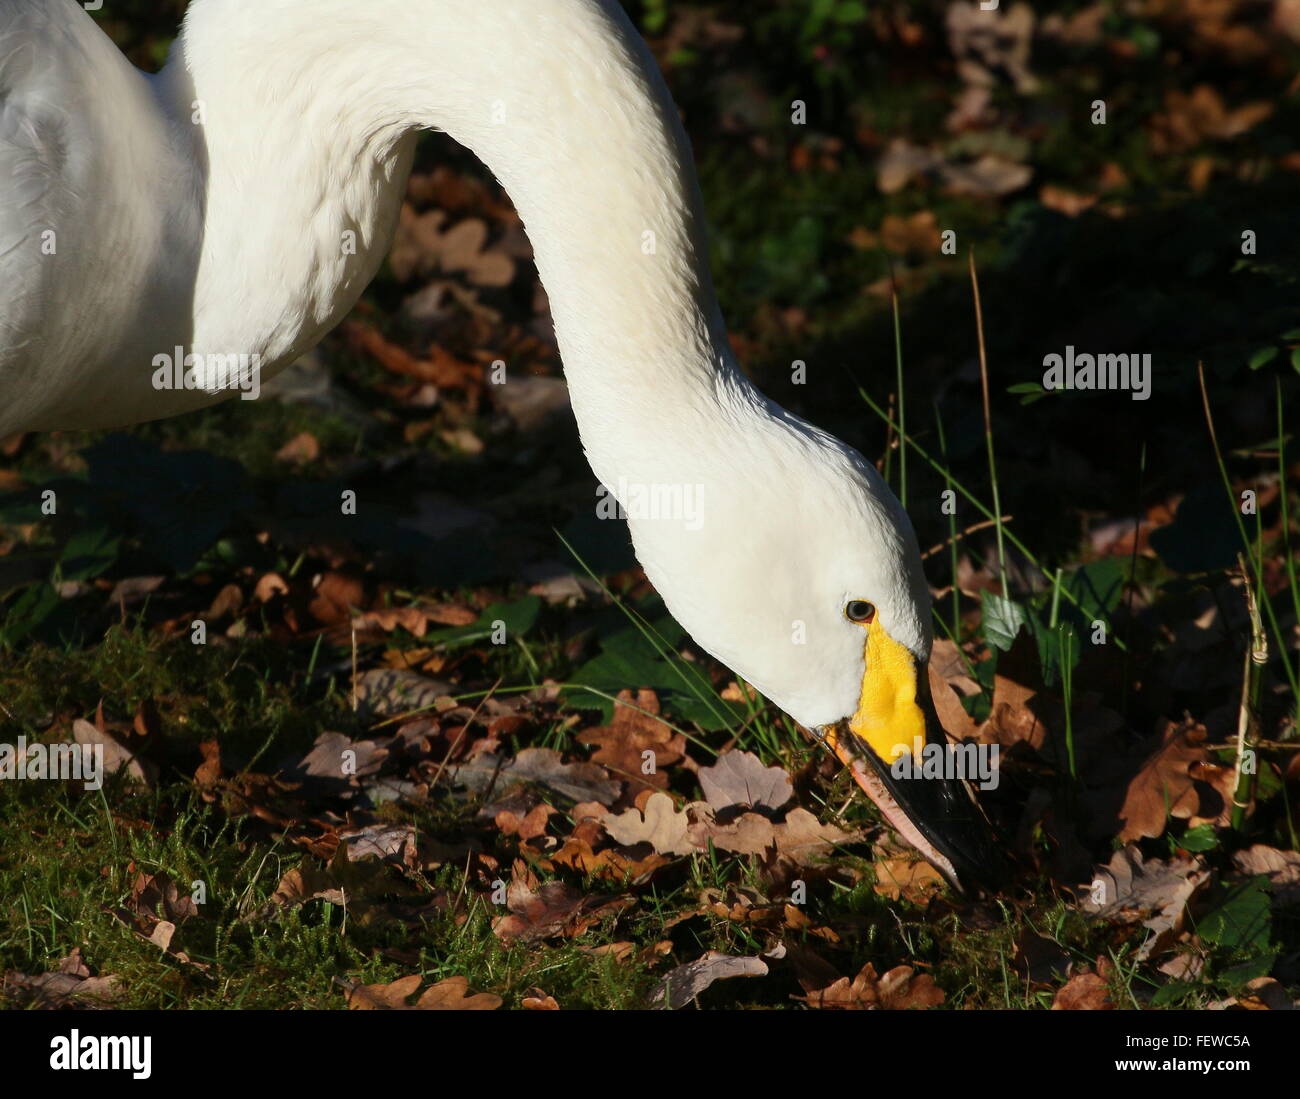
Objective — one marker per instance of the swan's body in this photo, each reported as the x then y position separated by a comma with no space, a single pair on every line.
209,208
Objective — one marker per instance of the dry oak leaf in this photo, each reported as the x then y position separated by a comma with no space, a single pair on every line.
613,863
155,909
1069,203
957,723
671,832
227,603
898,989
947,662
902,161
385,692
354,885
117,757
1187,966
913,879
748,834
301,450
335,597
1266,994
987,42
339,760
269,586
625,740
799,839
415,620
916,234
803,836
1086,991
157,896
990,175
620,951
1011,718
1177,780
1190,118
739,778
1281,867
661,826
1129,889
394,842
451,994
71,982
209,772
580,781
420,246
681,985
527,827
549,910
544,766
441,368
537,1000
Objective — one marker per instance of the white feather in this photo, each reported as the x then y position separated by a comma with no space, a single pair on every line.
206,208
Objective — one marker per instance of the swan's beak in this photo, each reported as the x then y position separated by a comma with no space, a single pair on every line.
898,753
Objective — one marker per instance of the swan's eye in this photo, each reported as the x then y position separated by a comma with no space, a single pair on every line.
859,610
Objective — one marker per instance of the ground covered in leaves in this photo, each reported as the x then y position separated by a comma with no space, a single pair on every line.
452,752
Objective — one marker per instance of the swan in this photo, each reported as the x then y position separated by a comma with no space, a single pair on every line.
165,239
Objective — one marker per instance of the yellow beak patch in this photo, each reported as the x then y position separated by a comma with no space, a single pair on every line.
888,717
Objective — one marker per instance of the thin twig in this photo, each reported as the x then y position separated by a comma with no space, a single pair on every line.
988,417
437,775
902,403
1256,657
355,702
1254,575
983,524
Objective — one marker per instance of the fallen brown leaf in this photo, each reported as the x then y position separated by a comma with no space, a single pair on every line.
451,994
681,985
537,1000
1177,780
117,757
898,989
629,735
70,983
301,450
1282,868
660,825
740,778
1130,889
913,879
1085,991
549,910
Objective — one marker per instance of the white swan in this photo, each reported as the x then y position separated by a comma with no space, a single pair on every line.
238,203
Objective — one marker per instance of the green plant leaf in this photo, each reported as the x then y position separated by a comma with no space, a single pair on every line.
1002,619
1242,924
517,617
1201,838
90,552
1262,357
630,660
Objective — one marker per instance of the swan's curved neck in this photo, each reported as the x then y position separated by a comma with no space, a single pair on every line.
317,101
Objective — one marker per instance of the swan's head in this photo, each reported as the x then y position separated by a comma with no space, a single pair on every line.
799,570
